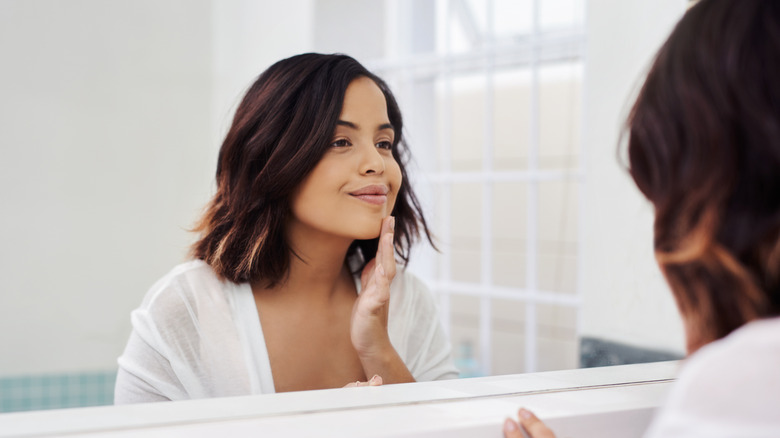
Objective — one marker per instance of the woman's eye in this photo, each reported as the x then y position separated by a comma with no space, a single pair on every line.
340,143
385,145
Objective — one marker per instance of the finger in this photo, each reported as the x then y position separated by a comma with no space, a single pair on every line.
534,426
389,252
375,381
375,295
512,429
380,294
388,225
370,283
387,257
368,270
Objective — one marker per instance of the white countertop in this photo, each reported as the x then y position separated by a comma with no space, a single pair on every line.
605,402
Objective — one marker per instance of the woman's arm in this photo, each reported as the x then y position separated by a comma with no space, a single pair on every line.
144,374
370,313
141,371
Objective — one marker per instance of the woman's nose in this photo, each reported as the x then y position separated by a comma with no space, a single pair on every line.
372,161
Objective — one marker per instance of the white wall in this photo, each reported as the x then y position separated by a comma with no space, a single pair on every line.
626,298
248,37
104,138
110,120
354,27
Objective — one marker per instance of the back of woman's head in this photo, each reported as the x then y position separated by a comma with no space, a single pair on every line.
281,129
704,147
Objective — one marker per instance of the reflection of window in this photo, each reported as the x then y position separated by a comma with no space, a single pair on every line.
491,92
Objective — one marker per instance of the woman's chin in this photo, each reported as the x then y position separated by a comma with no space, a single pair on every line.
366,230
366,236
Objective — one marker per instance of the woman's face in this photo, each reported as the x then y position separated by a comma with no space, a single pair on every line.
356,182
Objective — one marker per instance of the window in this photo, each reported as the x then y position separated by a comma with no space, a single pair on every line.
491,93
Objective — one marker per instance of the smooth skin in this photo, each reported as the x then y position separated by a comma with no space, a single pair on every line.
318,331
528,426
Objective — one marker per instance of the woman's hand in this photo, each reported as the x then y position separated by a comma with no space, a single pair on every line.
368,329
529,426
369,315
375,381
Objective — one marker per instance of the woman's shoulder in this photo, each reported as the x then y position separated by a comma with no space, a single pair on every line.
755,346
730,383
187,283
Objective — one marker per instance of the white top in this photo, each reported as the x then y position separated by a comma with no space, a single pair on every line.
729,388
197,336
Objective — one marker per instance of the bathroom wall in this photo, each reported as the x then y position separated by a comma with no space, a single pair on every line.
110,120
105,139
625,296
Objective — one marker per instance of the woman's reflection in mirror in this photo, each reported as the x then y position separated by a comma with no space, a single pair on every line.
293,283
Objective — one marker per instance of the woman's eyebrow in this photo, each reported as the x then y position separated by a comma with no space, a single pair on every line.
354,126
347,124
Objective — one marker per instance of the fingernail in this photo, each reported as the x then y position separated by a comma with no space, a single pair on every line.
392,223
525,414
509,425
380,270
375,378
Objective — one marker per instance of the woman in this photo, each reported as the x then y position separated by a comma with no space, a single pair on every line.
310,195
704,148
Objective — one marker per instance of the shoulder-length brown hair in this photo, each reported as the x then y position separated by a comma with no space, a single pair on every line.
281,129
704,147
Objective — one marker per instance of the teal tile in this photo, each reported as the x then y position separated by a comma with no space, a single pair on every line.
52,391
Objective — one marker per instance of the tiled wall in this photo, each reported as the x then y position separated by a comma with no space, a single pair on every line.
56,391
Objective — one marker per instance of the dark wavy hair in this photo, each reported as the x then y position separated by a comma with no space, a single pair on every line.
280,131
704,148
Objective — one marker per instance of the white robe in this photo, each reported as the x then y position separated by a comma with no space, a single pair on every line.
197,336
729,388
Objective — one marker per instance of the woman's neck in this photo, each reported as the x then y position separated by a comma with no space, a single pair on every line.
317,269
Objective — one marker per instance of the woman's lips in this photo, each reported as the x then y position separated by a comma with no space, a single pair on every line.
372,199
373,194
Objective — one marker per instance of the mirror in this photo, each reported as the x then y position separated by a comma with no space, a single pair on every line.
112,117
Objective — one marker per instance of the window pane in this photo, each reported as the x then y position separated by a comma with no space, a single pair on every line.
464,334
559,115
512,18
508,329
466,219
509,234
463,116
463,25
557,340
558,240
511,119
557,343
